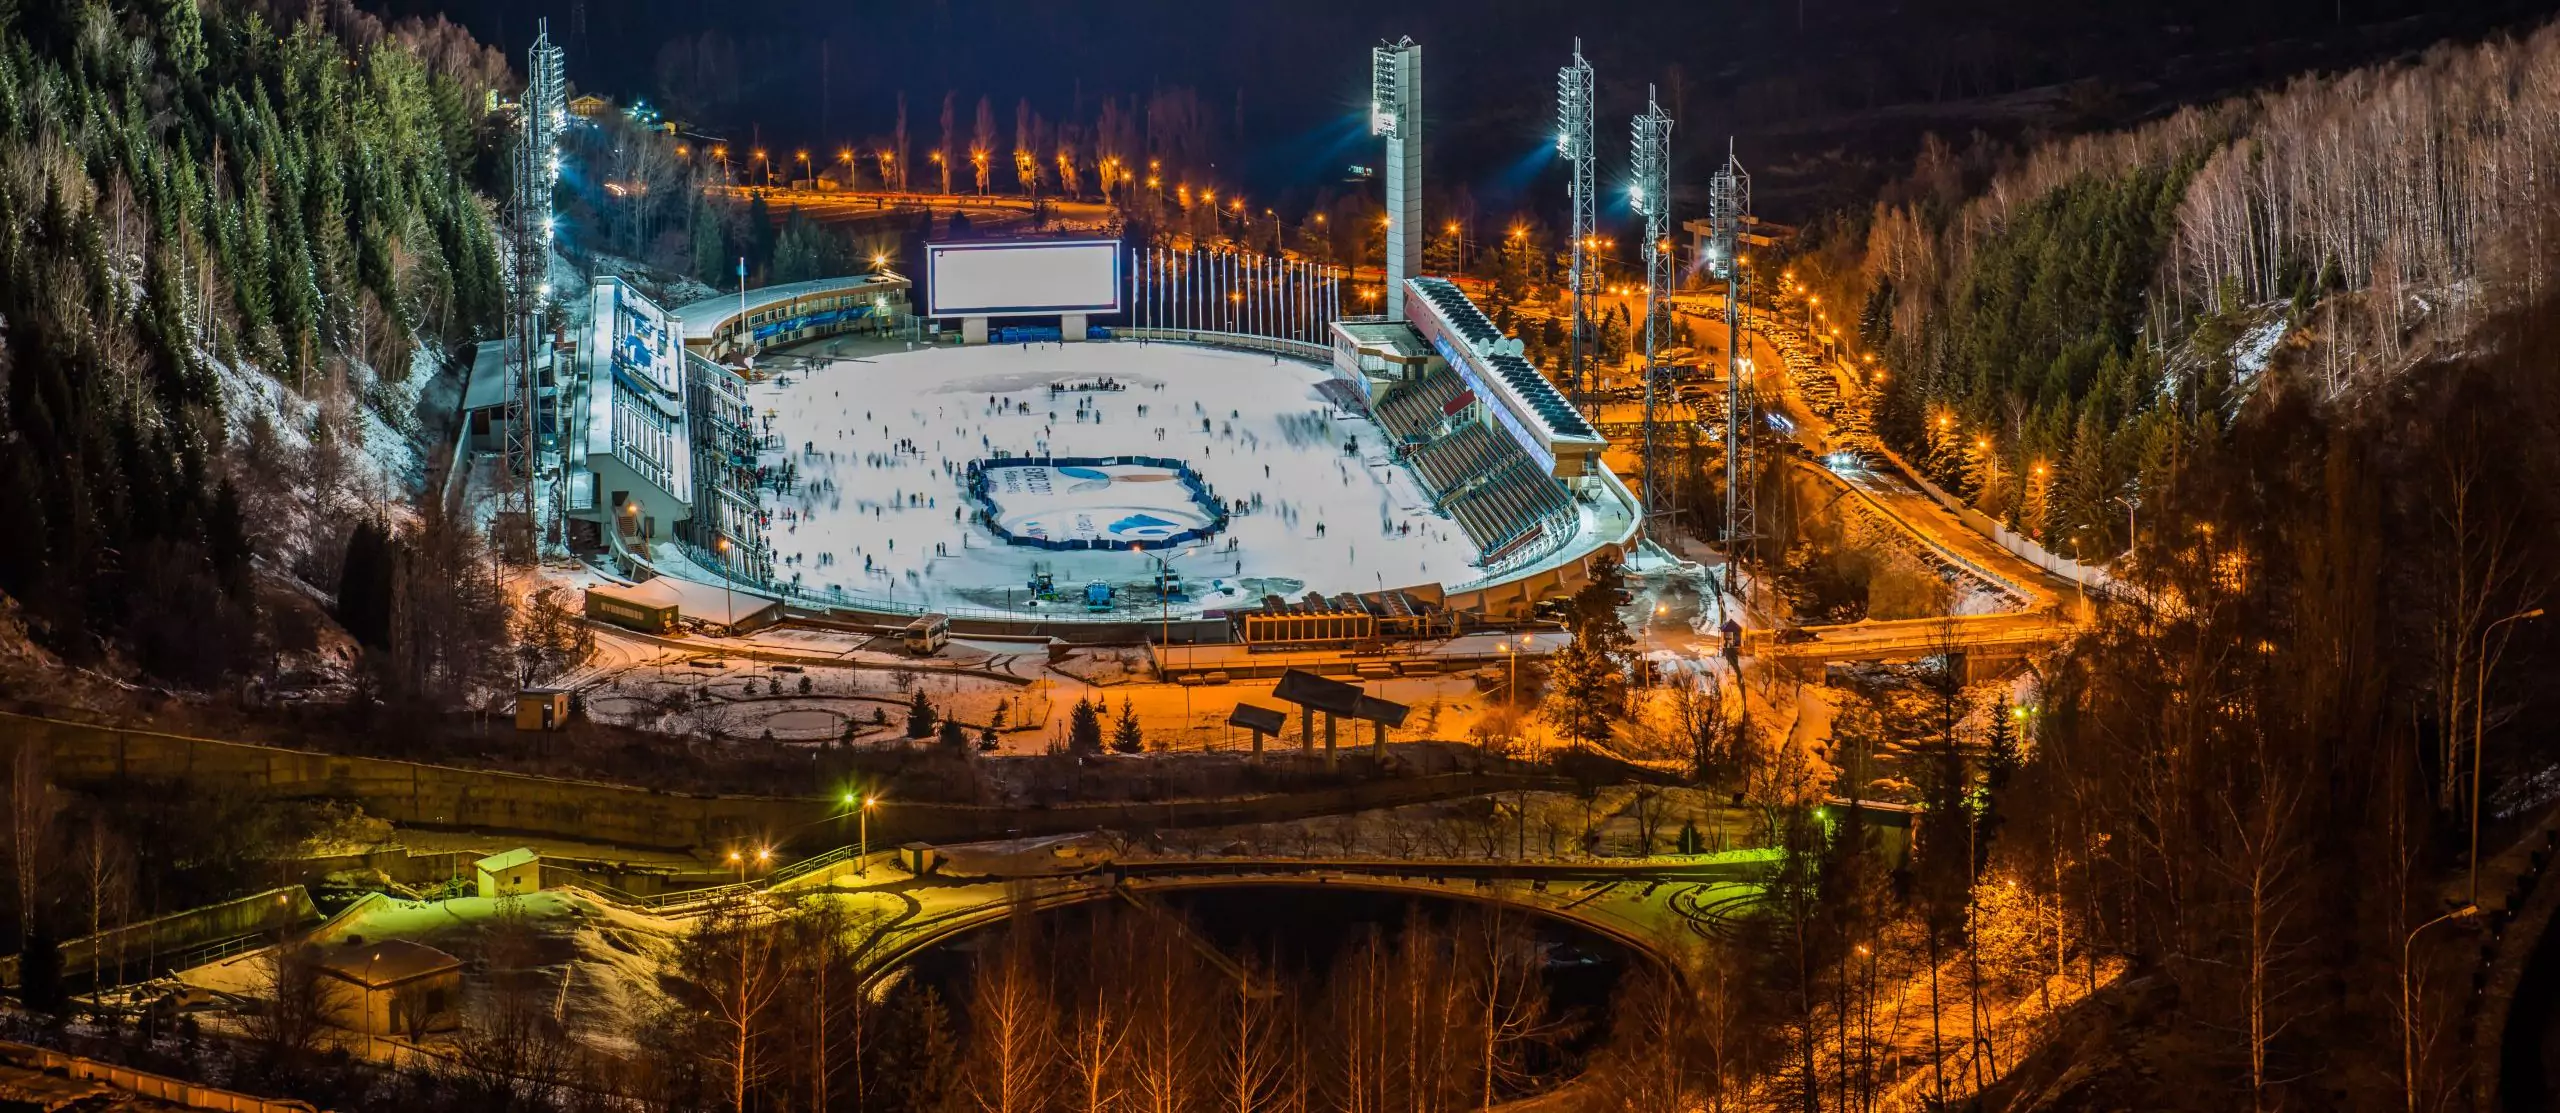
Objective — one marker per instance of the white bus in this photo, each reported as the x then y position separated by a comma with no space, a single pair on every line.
927,634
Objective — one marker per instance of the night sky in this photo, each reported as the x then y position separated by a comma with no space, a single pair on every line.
1811,88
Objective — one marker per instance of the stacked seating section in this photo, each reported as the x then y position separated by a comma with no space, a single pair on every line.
1497,493
1478,474
1514,502
1413,409
1473,449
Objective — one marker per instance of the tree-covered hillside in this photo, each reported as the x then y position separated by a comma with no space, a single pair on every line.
2082,306
204,209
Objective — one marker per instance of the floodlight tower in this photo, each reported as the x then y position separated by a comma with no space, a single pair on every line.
1395,114
1728,209
536,168
1649,191
1573,142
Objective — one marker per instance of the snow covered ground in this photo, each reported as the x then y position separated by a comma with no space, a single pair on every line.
881,446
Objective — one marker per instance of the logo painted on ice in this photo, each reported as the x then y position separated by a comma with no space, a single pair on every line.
1142,524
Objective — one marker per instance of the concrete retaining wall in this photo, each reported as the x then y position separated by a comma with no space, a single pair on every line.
416,794
166,936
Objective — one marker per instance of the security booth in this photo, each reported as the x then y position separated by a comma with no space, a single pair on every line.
542,709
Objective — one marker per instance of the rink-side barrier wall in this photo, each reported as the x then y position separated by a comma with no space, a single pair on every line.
1319,354
416,794
1192,485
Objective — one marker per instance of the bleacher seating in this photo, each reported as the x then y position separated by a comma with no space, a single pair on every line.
1509,503
1482,478
1413,409
1469,450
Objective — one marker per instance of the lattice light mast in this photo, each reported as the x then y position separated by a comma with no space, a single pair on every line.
1649,193
1728,209
1573,142
1395,114
536,168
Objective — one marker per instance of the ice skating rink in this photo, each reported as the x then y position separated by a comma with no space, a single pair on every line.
878,448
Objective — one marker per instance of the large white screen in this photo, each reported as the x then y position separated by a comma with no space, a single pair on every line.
1006,279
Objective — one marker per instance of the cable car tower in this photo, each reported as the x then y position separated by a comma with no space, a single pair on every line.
1573,142
1649,192
1728,209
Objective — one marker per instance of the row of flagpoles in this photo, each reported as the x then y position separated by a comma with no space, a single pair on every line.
1227,291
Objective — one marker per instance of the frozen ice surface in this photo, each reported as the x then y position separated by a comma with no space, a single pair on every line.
1130,504
880,446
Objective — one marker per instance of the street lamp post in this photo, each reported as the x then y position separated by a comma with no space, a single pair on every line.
2479,691
2408,1020
862,811
728,608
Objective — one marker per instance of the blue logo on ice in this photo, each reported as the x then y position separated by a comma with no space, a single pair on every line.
1142,525
1085,473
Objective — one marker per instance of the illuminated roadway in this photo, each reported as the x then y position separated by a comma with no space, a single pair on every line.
2050,607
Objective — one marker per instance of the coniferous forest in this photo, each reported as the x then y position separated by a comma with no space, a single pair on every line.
225,232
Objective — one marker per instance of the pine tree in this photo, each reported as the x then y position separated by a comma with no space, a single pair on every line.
1084,728
1587,678
2000,761
711,253
920,717
1126,737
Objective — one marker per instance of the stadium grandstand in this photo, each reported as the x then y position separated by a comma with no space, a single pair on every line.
728,327
1501,452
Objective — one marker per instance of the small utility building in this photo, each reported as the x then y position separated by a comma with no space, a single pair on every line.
389,988
513,872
